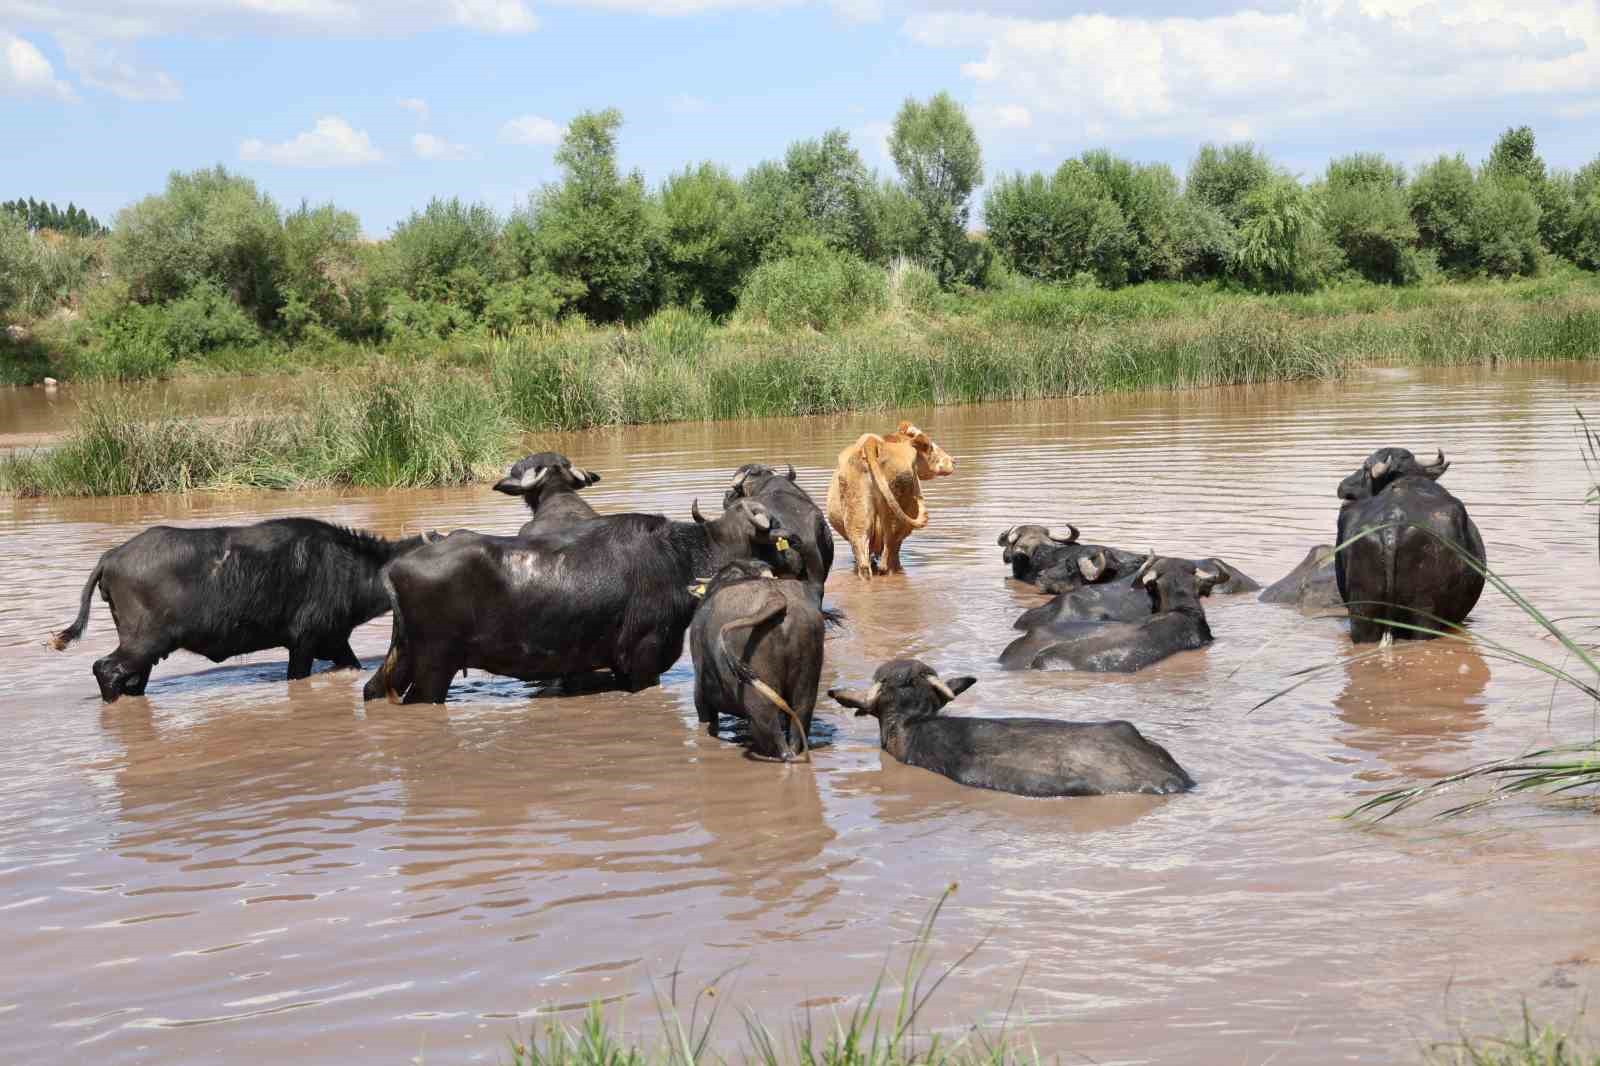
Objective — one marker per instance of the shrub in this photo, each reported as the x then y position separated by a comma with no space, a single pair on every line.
1052,229
834,192
529,301
816,287
1365,213
1148,197
209,227
1584,240
129,344
432,247
1282,245
203,321
1505,227
912,287
706,249
1442,206
1224,177
324,282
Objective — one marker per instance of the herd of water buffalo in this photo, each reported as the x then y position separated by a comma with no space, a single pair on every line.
575,592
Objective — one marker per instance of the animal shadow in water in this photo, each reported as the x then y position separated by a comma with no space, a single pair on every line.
737,731
229,675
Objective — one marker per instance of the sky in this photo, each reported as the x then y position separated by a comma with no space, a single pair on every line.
379,106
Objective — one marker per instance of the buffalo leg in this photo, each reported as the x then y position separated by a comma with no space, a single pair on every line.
341,655
300,660
430,682
124,672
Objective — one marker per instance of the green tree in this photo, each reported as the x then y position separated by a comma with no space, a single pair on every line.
208,227
940,162
1442,203
1149,198
324,283
834,191
1505,227
1224,177
1584,239
1282,246
1365,212
1057,228
775,210
596,229
705,242
445,253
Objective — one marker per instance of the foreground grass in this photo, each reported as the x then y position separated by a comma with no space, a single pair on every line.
1533,1045
415,417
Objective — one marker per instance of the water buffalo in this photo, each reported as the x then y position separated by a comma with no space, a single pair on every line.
295,583
1176,623
1310,585
876,482
795,510
605,593
757,646
1027,756
1403,572
549,484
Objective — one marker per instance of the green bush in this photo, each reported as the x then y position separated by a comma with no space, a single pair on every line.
913,287
1224,177
1054,229
1443,203
442,252
130,344
706,250
1505,227
1365,212
834,192
204,320
817,287
1149,198
529,301
209,227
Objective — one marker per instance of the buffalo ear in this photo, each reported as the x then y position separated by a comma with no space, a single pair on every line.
590,478
851,698
958,685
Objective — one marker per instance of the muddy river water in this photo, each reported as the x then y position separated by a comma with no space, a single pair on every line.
236,869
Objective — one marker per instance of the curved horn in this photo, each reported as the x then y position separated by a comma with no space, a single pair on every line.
760,517
694,510
1071,537
428,536
1092,566
790,472
1438,466
740,480
874,692
530,478
936,683
1146,573
1008,537
1378,469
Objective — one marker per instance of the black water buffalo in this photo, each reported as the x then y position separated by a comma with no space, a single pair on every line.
549,484
1176,623
1027,756
1310,585
1404,572
605,593
1041,555
295,583
757,646
795,510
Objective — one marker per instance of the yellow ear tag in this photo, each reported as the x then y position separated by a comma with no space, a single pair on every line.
698,591
783,544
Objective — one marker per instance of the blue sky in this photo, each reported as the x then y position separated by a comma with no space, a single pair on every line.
378,106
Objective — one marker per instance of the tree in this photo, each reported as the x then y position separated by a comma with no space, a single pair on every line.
1148,197
705,247
937,155
1282,246
1442,205
833,188
1057,228
445,253
596,229
1365,211
1223,178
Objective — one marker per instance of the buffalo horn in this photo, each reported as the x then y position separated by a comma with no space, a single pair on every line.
1092,566
1205,575
1146,574
940,687
790,472
1380,468
739,481
1070,538
694,511
761,518
1438,466
530,478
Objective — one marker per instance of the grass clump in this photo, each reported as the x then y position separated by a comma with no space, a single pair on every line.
867,1036
1533,1045
815,287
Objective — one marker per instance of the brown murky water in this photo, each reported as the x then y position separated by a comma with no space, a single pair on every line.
236,869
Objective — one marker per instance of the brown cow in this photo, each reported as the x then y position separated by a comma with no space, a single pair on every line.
875,486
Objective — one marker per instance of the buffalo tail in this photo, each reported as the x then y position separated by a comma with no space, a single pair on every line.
60,640
774,609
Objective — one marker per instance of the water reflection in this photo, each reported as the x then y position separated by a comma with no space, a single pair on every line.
1412,704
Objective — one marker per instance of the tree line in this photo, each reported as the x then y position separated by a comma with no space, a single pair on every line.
37,215
213,262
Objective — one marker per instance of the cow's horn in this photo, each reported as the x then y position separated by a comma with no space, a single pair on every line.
1071,537
938,685
694,511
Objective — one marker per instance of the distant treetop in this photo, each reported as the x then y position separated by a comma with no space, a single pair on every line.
38,215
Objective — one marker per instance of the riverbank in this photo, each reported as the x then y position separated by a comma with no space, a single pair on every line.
412,418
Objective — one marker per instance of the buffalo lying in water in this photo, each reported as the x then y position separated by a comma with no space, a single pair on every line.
549,484
605,593
757,646
1027,756
1124,599
1404,572
1176,622
795,510
1308,586
1057,562
295,583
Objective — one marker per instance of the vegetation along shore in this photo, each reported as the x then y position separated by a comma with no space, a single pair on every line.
807,285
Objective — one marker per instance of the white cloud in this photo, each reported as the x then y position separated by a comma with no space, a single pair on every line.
1251,73
101,66
24,71
123,20
684,104
332,142
531,129
417,106
427,146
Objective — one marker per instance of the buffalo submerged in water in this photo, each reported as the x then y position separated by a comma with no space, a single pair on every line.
295,583
1405,573
604,593
1027,756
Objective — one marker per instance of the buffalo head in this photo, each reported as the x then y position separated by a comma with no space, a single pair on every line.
903,691
1025,540
1175,584
529,473
1386,466
748,479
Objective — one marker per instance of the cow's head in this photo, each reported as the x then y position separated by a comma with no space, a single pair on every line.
533,475
1384,467
932,460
